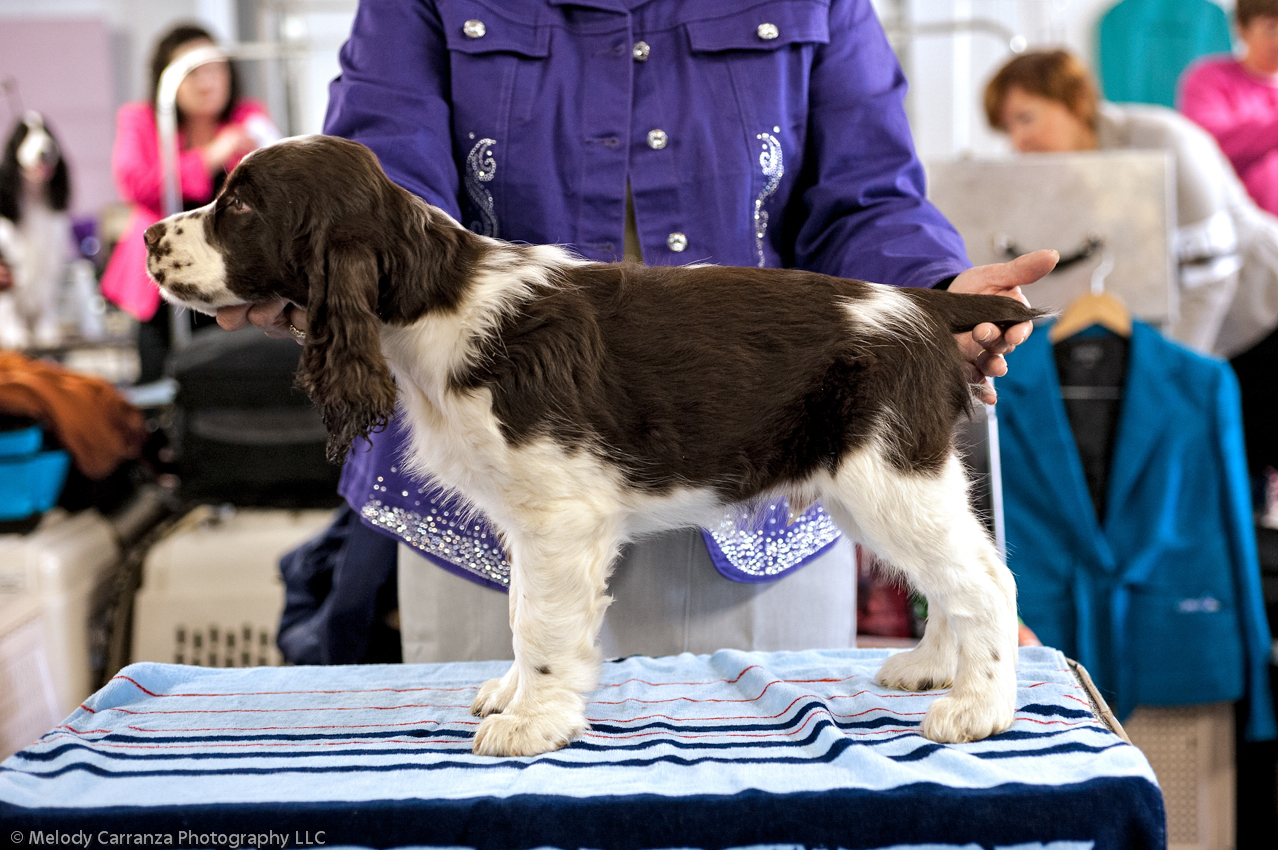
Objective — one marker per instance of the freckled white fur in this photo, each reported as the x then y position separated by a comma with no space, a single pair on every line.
564,513
201,265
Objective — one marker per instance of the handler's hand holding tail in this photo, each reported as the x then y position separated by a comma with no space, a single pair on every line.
276,318
985,346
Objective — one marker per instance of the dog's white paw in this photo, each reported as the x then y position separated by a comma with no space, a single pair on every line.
495,694
917,670
515,733
957,719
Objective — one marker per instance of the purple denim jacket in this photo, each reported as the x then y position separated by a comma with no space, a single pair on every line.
752,133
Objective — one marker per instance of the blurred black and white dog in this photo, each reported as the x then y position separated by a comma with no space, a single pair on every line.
579,405
35,234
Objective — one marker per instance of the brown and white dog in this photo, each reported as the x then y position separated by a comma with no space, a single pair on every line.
579,405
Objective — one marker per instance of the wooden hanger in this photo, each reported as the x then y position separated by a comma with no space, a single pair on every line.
1095,308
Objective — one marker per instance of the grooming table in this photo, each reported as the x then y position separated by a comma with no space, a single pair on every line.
728,750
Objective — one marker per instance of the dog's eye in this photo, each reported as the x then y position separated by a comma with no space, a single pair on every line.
236,205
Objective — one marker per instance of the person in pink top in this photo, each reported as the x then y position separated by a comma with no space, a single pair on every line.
1236,100
216,128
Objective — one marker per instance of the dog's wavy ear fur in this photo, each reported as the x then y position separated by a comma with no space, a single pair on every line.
342,368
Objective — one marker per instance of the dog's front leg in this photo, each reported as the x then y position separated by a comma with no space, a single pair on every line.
496,694
557,604
928,666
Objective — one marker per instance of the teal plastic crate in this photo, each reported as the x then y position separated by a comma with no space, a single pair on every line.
31,484
21,442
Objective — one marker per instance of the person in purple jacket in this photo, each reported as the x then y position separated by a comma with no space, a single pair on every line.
666,132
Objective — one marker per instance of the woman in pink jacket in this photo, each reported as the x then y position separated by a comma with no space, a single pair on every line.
1236,100
216,128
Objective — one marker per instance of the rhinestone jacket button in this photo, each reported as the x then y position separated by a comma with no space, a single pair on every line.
475,29
641,51
767,32
657,139
676,242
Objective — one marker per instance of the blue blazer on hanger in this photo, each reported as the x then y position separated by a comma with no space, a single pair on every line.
1162,601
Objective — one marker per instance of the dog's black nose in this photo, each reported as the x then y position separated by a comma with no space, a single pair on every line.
154,234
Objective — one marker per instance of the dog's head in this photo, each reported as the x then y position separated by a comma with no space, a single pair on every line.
32,155
313,220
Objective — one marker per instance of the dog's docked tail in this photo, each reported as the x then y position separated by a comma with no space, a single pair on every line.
960,313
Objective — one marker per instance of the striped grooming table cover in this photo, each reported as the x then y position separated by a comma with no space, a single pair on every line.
733,749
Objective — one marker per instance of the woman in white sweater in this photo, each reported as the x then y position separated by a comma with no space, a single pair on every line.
1226,247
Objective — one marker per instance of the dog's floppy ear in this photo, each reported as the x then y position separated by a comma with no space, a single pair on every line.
342,367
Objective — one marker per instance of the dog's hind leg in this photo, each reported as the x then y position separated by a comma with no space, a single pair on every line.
557,586
921,523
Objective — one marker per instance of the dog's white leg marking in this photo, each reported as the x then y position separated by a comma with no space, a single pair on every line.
932,663
928,666
921,524
558,578
495,694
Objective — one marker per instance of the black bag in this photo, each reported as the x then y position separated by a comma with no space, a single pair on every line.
243,433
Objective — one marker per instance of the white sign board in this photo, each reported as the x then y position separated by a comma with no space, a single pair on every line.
1033,201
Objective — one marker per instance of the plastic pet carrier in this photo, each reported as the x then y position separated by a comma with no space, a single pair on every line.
59,565
211,591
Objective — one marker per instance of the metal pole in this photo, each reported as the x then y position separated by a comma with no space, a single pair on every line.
167,135
996,480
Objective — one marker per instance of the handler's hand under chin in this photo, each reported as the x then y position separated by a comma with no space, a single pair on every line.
985,346
273,317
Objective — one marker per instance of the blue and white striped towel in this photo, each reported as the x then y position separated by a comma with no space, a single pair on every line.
727,750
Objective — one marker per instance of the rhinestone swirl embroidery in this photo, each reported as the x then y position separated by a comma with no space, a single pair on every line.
466,543
768,545
481,168
761,545
773,165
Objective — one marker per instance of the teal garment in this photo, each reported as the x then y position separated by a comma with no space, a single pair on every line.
1144,45
1162,601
